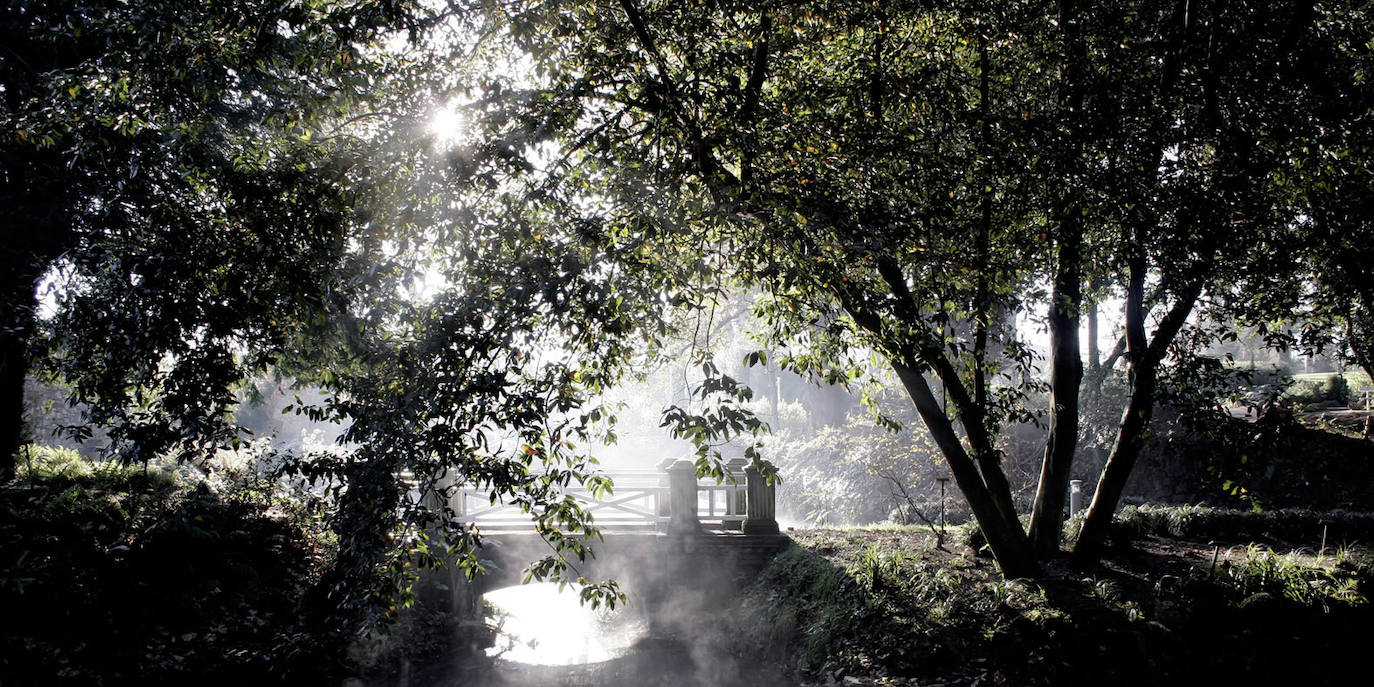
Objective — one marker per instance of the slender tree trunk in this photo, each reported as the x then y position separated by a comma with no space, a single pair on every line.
1066,375
12,371
1134,419
1005,537
1129,440
972,416
16,320
1145,356
1094,354
1066,300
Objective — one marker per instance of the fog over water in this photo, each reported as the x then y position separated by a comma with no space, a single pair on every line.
541,624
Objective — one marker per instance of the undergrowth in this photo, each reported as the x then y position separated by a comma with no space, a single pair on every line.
849,603
113,574
873,609
1203,522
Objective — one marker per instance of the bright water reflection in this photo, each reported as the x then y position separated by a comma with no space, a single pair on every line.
541,625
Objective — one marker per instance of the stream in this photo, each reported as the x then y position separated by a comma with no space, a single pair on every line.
547,637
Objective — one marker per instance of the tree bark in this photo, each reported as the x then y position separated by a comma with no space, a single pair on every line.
1066,300
984,489
1094,353
1129,439
972,416
1134,419
1146,356
16,321
1005,537
1066,375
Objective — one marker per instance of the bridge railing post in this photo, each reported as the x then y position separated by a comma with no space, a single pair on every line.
736,493
438,588
452,494
682,498
761,517
664,507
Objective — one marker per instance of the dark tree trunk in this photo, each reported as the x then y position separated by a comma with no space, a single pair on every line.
34,232
1129,439
979,476
1005,537
1066,300
1094,354
16,321
1134,420
1066,375
1146,356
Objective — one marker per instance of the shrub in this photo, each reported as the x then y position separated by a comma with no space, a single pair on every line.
127,574
1205,522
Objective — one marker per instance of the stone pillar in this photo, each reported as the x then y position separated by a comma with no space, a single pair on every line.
736,494
437,588
1075,496
663,497
682,498
760,518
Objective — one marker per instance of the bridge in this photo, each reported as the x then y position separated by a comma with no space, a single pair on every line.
670,499
669,537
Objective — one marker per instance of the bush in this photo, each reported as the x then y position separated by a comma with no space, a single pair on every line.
1264,374
50,465
1316,390
1204,522
121,574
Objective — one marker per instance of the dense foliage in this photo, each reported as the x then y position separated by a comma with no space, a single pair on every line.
904,178
201,195
161,177
115,575
204,196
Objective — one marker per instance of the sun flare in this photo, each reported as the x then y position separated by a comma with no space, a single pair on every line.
447,123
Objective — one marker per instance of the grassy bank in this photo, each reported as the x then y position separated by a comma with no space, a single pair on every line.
886,607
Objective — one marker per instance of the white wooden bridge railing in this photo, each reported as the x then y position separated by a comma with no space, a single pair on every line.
671,499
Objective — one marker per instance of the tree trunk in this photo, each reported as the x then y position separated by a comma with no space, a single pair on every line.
1129,440
1005,537
16,320
1066,374
1066,300
1094,354
1145,356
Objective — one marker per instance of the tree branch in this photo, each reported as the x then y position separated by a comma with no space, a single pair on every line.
753,90
911,506
718,179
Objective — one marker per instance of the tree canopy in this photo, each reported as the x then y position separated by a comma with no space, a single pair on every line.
159,174
902,177
214,192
